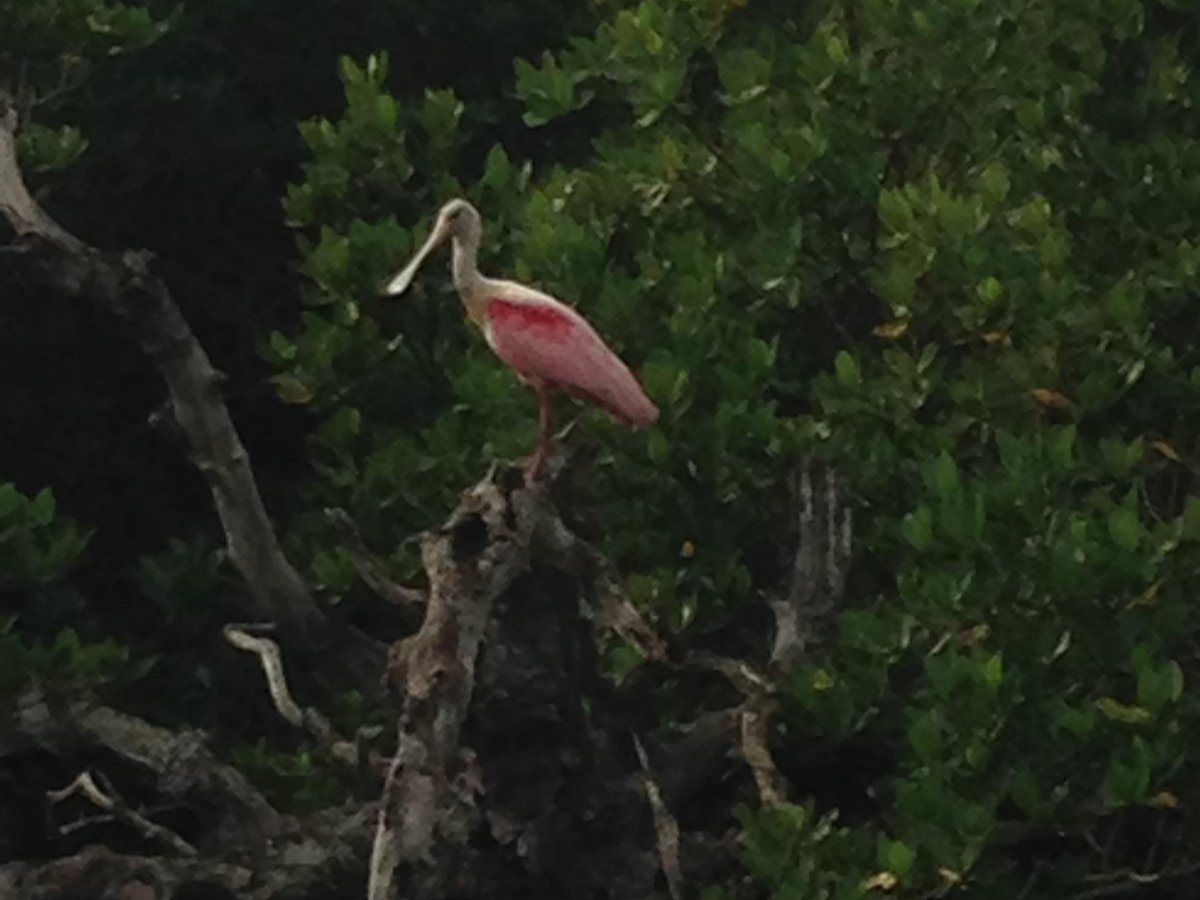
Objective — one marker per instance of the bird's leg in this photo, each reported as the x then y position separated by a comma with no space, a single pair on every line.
545,432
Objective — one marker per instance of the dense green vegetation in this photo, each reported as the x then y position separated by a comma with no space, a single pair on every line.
950,249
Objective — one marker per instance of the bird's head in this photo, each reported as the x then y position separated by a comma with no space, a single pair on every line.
459,220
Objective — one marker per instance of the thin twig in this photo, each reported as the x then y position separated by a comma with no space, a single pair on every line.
112,803
748,679
311,720
369,567
1126,881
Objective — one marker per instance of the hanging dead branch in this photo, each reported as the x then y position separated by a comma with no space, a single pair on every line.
126,285
307,718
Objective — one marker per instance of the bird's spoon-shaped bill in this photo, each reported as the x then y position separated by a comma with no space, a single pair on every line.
400,282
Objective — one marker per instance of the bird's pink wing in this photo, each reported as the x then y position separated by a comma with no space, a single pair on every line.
557,345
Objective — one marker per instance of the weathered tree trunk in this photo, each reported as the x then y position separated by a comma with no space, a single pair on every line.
503,783
512,779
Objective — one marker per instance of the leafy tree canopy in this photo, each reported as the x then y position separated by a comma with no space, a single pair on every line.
949,249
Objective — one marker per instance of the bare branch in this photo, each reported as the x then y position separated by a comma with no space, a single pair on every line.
666,829
85,785
754,719
272,663
743,676
94,870
295,863
72,75
1127,881
125,284
16,203
247,850
616,614
755,733
369,568
308,718
179,761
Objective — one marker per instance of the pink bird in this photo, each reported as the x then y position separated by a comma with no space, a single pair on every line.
547,343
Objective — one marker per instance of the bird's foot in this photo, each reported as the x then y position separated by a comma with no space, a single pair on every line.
535,465
545,462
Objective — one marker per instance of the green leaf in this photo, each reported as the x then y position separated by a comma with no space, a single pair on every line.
1174,679
386,113
1159,685
945,475
994,181
1191,519
894,856
440,115
993,670
657,447
497,171
1026,793
291,389
1120,712
10,500
1125,528
895,212
848,372
1062,446
284,348
41,508
342,426
917,527
1080,722
990,289
44,149
351,73
334,570
925,737
1128,777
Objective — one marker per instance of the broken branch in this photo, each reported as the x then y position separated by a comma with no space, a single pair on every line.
112,803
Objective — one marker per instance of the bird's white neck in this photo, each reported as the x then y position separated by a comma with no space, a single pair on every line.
466,265
467,280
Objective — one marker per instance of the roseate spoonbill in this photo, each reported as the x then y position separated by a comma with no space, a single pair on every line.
547,343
